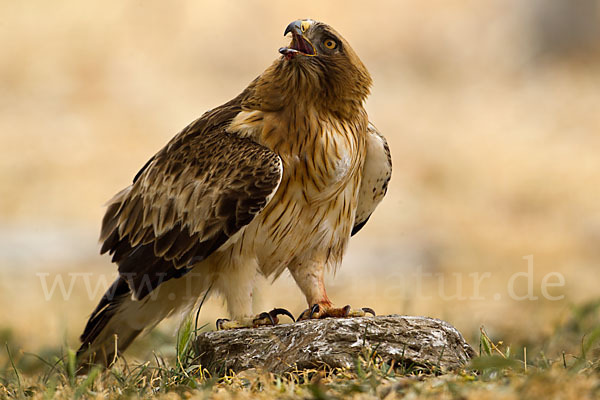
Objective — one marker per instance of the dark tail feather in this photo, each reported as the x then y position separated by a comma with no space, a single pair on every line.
101,338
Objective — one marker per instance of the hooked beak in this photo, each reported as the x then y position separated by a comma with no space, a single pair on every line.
300,44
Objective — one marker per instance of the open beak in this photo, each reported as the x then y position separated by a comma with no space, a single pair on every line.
300,44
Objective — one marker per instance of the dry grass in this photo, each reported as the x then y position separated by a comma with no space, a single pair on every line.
493,132
498,372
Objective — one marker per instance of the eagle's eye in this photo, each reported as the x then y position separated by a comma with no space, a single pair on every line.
330,44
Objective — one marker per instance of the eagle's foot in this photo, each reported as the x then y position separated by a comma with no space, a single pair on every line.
318,311
262,319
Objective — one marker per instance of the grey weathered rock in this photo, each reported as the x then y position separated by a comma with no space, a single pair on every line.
336,342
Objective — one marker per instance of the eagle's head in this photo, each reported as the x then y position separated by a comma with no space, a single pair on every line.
318,66
317,49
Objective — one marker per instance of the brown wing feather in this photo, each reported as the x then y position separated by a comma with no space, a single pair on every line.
188,200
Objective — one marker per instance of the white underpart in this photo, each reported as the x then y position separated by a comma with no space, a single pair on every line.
342,167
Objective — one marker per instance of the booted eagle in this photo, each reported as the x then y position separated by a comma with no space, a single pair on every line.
276,179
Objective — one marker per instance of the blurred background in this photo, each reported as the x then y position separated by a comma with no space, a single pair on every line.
491,110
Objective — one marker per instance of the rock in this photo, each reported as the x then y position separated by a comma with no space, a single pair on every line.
335,342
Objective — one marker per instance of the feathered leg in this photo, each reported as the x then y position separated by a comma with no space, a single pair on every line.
236,286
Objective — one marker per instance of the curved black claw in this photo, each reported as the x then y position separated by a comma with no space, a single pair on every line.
220,323
369,310
301,316
309,312
272,315
264,315
313,310
281,311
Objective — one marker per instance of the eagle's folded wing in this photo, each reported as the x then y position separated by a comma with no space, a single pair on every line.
188,200
375,177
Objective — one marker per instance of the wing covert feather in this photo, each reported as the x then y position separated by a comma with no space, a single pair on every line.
188,200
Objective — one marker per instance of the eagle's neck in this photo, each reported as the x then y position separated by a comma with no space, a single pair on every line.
289,85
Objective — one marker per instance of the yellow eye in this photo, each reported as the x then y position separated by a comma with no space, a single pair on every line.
330,44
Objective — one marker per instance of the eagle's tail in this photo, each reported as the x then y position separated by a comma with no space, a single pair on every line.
113,325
